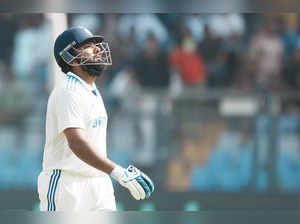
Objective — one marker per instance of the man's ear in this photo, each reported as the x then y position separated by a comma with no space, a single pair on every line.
74,63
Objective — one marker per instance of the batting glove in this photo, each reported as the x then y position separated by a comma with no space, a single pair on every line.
139,184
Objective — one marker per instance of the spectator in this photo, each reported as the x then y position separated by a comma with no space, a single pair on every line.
288,163
231,163
180,167
291,71
201,177
209,47
266,50
188,63
288,34
219,74
151,65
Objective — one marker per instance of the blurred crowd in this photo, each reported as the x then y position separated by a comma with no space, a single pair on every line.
158,59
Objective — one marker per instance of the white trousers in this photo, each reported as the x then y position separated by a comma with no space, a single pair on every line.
63,191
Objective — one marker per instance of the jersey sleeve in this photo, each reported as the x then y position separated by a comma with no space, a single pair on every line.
69,111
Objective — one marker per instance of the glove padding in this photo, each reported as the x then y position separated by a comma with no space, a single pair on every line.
139,184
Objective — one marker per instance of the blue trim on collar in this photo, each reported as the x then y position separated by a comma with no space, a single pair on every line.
95,92
72,76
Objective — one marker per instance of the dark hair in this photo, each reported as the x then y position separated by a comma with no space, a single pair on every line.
65,68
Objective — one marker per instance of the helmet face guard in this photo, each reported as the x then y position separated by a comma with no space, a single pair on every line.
101,57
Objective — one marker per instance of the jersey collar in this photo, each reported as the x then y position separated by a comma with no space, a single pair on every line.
84,83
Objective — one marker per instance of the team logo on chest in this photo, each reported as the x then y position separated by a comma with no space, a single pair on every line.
99,121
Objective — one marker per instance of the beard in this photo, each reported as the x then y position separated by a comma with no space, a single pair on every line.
94,70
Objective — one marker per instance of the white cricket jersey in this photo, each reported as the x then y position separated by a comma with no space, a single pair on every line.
74,104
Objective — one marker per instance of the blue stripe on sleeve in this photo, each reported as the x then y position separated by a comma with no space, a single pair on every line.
49,190
52,190
53,197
